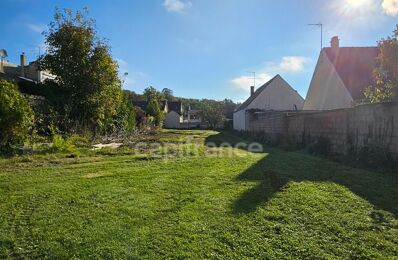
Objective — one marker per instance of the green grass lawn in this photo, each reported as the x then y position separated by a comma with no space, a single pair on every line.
205,204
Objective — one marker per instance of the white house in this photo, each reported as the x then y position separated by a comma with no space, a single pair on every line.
25,71
341,76
174,115
276,94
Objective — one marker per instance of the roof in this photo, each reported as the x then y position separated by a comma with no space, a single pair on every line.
175,106
256,93
355,67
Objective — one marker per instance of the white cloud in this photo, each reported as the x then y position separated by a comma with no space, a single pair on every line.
38,28
390,7
243,83
288,65
176,6
293,64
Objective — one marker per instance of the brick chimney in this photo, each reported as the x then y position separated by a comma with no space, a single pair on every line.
251,90
23,64
335,43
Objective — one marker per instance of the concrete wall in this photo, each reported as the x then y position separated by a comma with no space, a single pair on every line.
240,120
327,90
346,129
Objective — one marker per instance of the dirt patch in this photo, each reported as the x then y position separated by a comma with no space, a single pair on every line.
110,145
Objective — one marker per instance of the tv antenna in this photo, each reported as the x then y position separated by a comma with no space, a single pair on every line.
254,77
320,25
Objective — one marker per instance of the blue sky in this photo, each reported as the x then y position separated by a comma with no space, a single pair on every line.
207,48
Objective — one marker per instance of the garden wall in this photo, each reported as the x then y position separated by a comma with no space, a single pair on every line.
345,129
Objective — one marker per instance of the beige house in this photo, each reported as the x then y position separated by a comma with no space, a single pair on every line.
341,76
174,115
25,71
276,94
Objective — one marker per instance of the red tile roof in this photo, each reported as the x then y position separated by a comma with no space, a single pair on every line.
355,66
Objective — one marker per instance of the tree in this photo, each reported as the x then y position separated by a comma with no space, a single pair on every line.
16,117
154,110
125,119
385,87
168,94
132,96
229,108
212,112
152,93
84,68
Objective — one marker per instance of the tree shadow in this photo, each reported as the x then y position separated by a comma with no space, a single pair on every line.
273,172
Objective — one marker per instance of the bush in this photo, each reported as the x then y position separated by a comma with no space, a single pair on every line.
62,145
16,117
79,141
373,156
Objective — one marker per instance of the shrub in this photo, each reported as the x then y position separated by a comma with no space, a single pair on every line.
62,145
374,156
16,117
79,141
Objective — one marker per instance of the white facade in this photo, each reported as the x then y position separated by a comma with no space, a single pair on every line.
276,94
240,120
327,89
173,120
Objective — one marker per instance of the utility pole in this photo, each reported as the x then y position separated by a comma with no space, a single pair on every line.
320,25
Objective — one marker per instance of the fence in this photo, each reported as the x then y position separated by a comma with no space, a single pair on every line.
345,129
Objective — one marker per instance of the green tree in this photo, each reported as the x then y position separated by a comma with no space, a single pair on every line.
84,68
212,112
125,118
229,108
132,96
385,87
151,93
154,110
168,94
16,117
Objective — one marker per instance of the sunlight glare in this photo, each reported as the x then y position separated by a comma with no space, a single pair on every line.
358,3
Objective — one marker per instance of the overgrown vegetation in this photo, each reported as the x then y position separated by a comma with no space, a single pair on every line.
16,117
212,112
385,86
119,204
86,77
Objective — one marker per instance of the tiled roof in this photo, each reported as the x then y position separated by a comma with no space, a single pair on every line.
175,106
355,67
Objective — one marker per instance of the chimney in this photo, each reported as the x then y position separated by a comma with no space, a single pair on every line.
335,43
23,64
251,90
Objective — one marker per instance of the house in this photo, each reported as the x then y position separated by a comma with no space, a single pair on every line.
341,76
173,112
174,115
276,94
30,72
192,118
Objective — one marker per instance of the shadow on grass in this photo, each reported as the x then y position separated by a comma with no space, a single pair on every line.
274,171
